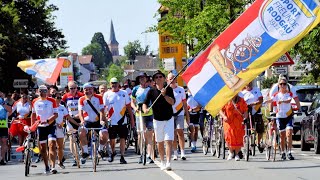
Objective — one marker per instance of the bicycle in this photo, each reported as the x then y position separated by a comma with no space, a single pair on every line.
221,144
132,138
248,139
28,146
272,138
208,135
75,145
253,134
94,141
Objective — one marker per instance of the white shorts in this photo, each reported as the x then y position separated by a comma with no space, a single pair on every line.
164,130
59,132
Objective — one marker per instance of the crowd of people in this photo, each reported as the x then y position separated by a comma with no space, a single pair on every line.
163,109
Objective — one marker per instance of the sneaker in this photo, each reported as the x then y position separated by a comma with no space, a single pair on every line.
237,158
103,155
168,166
2,162
74,163
61,165
150,161
183,158
260,149
283,156
240,154
63,159
193,149
53,171
83,161
140,160
162,166
230,156
175,157
85,155
122,160
47,170
111,157
38,160
290,157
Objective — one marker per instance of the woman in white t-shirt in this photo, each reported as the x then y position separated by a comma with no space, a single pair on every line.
284,114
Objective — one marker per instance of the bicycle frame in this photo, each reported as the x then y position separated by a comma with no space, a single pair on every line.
94,141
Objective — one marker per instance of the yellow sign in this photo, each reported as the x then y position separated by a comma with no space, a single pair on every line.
172,50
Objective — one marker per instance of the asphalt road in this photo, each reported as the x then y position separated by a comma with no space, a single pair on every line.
306,166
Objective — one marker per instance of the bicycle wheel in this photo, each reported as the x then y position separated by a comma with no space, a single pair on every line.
268,145
27,162
247,148
94,154
223,144
144,151
253,142
218,142
274,145
206,140
75,151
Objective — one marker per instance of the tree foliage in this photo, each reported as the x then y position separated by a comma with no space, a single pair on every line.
308,49
113,71
268,82
26,31
96,51
133,49
197,20
106,57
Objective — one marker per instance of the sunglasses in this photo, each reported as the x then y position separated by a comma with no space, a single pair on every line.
24,97
72,88
283,84
158,77
114,83
43,91
58,97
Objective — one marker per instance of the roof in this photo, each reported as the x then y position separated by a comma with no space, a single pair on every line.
85,59
112,39
146,63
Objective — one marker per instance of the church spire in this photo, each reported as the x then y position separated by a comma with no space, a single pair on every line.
112,40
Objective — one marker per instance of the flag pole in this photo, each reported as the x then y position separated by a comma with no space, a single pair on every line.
181,70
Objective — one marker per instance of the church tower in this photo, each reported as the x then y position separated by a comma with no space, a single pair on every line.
113,43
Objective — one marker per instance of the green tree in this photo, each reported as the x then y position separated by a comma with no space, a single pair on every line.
26,31
308,49
114,71
268,82
106,57
133,49
96,51
196,20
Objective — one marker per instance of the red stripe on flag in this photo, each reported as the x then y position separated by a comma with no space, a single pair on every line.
56,72
225,38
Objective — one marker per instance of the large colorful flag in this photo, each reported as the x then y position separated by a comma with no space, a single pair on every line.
264,32
47,70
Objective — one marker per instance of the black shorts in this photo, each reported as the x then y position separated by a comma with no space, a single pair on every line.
195,118
4,133
95,124
47,133
259,123
118,130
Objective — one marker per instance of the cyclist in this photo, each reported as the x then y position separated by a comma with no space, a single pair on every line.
91,114
71,100
179,109
5,110
284,115
138,96
163,122
254,99
44,109
117,102
23,109
62,113
194,112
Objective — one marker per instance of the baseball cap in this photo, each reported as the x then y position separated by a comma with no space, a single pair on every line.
113,80
43,87
158,72
87,85
142,74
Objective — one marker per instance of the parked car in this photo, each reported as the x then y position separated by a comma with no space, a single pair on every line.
310,127
306,95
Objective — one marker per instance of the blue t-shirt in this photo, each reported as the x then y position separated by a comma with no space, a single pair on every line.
3,113
140,94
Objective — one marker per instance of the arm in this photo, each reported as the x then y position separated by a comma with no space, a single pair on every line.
33,118
167,97
81,116
185,107
296,99
8,108
52,118
133,104
224,117
69,118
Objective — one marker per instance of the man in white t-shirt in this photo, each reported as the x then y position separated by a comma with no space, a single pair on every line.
117,103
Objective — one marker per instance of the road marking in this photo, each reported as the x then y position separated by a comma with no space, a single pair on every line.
303,154
170,173
317,157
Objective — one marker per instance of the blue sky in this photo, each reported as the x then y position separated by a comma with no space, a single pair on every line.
80,19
